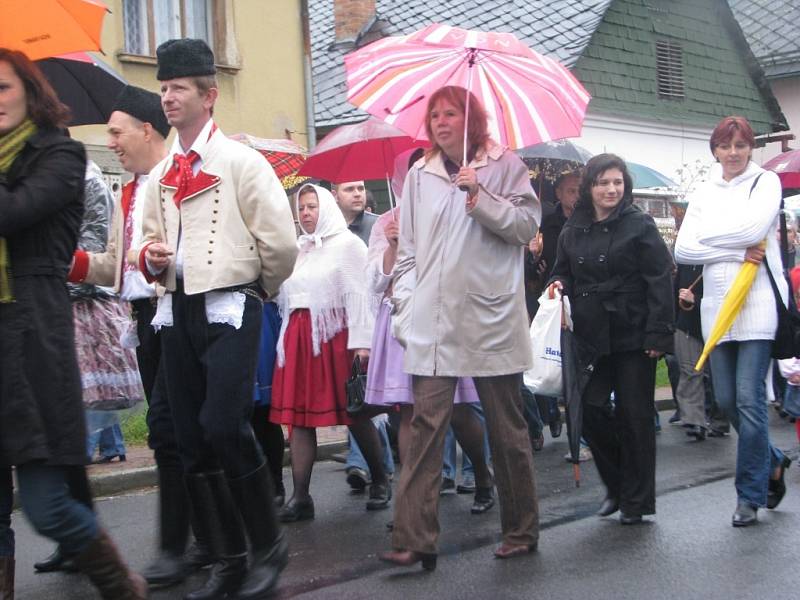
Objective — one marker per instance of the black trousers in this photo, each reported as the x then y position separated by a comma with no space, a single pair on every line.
161,429
622,436
210,376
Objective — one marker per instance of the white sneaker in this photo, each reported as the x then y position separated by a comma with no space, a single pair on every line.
583,455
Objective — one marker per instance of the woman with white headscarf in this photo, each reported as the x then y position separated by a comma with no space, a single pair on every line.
328,317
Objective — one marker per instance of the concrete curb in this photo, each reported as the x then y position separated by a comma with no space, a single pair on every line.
129,480
112,484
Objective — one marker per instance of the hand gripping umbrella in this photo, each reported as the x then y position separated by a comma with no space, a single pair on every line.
530,98
577,365
732,303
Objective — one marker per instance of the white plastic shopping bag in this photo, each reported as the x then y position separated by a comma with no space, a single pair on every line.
545,376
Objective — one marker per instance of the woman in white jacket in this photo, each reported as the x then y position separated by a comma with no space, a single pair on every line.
731,220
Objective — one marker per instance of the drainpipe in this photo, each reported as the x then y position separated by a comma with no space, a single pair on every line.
307,77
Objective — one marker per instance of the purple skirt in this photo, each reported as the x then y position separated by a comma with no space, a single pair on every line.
387,383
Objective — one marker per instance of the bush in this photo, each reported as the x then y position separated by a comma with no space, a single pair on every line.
134,425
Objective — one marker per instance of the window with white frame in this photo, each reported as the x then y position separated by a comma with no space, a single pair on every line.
148,23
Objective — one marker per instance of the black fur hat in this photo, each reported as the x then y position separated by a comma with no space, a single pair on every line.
143,105
185,57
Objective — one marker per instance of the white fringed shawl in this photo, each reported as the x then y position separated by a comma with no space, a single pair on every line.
328,280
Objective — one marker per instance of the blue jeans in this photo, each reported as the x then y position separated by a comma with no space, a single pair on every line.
739,370
103,428
450,453
6,505
530,410
47,503
355,459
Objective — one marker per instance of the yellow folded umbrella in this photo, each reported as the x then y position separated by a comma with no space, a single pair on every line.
731,305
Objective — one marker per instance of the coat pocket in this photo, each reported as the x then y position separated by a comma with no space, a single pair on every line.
487,320
245,251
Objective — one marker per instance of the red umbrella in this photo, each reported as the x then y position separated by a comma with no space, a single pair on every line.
285,156
359,151
787,166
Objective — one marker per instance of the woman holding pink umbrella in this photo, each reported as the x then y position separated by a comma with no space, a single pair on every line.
388,385
460,312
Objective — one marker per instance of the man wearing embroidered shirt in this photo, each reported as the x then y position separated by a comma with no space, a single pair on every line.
137,130
219,235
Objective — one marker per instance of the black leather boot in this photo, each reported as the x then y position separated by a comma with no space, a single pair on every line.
55,562
253,494
169,567
6,578
218,522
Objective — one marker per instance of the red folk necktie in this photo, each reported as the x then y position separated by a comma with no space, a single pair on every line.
183,165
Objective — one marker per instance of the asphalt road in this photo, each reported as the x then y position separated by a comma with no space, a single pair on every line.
688,550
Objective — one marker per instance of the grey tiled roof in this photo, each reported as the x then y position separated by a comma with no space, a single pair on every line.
560,29
770,27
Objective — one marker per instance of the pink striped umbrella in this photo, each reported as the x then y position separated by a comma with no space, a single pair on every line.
530,98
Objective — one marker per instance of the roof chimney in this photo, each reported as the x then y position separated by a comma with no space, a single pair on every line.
350,17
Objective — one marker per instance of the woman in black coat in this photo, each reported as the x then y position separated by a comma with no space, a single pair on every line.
617,272
42,429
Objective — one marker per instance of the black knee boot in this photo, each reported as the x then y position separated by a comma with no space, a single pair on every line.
253,494
219,523
169,567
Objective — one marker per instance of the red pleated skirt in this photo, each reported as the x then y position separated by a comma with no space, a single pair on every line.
309,391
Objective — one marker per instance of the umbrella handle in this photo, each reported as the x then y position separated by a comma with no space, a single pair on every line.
470,63
392,203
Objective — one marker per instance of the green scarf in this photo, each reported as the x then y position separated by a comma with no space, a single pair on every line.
11,144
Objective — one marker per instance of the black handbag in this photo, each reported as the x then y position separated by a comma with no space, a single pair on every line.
787,336
356,388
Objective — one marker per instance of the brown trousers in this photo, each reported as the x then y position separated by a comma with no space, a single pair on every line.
416,523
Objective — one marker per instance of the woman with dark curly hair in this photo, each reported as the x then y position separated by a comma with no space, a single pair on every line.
617,272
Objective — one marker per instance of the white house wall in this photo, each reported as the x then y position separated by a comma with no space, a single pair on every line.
787,92
663,147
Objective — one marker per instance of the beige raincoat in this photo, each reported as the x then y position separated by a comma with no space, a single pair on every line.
458,294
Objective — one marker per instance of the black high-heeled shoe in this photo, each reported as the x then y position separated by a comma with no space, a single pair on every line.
608,507
777,487
407,558
296,510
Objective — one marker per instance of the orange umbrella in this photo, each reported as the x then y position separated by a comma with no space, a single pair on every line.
45,28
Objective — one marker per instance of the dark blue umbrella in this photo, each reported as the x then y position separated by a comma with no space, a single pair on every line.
87,85
549,160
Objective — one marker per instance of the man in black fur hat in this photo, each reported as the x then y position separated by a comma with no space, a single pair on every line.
219,235
137,132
